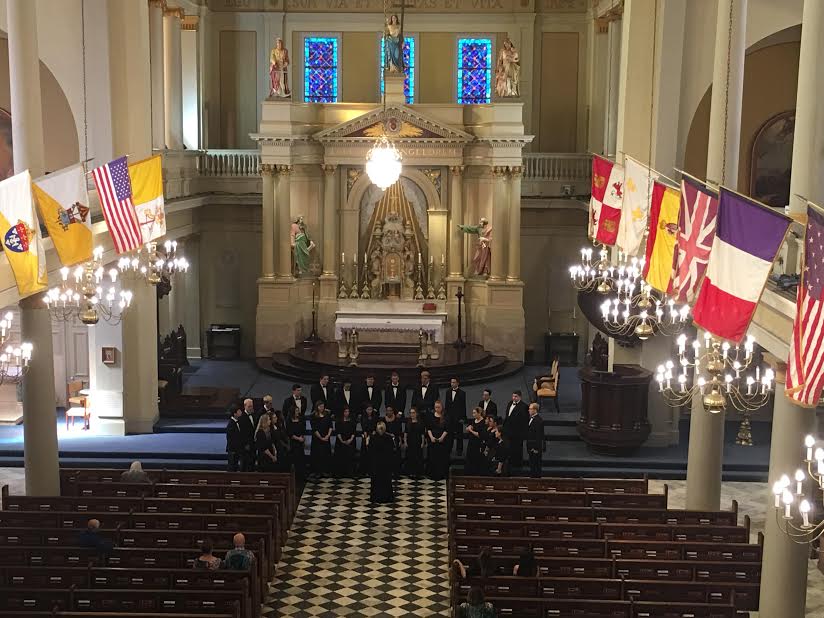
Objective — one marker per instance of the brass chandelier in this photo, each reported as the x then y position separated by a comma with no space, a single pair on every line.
793,505
152,264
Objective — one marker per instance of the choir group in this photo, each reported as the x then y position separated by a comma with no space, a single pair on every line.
349,435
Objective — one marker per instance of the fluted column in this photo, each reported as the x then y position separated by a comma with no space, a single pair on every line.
157,59
613,86
514,270
173,78
283,218
330,230
268,222
456,236
39,427
500,225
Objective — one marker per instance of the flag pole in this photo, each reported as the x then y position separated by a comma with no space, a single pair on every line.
712,186
758,203
652,169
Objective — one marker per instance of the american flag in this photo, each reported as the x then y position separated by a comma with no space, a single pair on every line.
805,367
115,191
696,231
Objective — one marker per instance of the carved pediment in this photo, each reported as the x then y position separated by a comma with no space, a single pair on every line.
400,123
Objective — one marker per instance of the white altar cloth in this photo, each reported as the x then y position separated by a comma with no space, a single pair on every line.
389,316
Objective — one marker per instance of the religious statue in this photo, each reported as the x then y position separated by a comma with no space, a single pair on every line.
278,63
508,71
301,244
376,270
393,45
483,252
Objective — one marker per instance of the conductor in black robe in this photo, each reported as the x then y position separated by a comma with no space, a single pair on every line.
382,459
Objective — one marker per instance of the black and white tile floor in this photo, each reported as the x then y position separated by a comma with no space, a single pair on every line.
348,557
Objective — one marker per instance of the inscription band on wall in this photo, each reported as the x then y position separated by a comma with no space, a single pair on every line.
422,6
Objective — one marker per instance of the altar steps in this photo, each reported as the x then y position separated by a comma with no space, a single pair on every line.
472,364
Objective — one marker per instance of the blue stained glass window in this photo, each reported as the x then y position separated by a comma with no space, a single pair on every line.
320,71
474,70
409,67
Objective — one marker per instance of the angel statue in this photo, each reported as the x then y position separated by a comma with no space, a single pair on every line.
483,252
278,63
508,71
393,43
301,245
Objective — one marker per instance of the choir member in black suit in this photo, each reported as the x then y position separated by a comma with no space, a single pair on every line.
394,428
516,419
535,440
296,428
438,434
346,398
414,440
486,404
395,394
368,424
320,450
370,394
424,396
382,456
455,406
295,401
267,455
234,442
476,436
248,427
322,391
345,444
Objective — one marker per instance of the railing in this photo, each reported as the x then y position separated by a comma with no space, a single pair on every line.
557,166
240,163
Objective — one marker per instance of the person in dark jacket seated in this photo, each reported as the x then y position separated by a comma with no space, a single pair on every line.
238,558
91,537
207,560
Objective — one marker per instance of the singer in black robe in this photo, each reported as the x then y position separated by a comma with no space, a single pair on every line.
415,434
438,462
381,459
345,445
476,434
296,428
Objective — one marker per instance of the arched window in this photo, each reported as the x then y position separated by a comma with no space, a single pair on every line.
320,69
474,70
409,66
772,159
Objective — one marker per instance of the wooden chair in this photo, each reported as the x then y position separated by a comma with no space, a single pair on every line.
546,386
77,404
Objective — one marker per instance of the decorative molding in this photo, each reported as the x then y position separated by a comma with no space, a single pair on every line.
190,22
174,12
267,168
434,175
477,7
352,176
456,170
436,131
329,169
284,170
602,25
161,4
516,171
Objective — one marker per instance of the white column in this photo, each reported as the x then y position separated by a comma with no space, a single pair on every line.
157,60
456,236
514,244
39,418
613,85
706,449
140,359
283,217
191,311
173,78
267,245
500,225
330,230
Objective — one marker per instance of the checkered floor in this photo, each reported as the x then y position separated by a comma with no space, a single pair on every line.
348,557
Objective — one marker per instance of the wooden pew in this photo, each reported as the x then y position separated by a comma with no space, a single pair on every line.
550,547
638,486
536,529
744,595
58,614
679,550
558,498
667,516
646,609
686,570
563,608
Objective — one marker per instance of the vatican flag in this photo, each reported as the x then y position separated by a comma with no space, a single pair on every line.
64,208
147,195
21,234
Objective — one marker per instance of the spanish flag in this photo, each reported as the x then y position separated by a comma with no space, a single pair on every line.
663,230
64,209
147,196
20,231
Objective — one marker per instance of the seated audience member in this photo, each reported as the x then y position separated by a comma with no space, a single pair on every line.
91,537
238,558
206,560
481,566
476,606
135,474
526,566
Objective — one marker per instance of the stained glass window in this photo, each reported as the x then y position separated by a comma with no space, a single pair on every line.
320,71
474,70
409,67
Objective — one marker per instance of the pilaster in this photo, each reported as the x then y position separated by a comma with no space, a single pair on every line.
500,224
267,173
515,240
283,214
173,78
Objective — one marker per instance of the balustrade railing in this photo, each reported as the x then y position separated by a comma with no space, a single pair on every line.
557,166
230,163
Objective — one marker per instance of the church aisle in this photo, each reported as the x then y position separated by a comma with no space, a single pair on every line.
347,557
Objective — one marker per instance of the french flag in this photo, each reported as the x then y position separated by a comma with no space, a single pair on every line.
748,237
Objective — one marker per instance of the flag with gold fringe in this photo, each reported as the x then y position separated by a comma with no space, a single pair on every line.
20,231
663,227
147,196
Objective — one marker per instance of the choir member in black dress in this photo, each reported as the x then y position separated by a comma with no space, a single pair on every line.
501,454
394,428
345,444
296,428
280,436
381,456
267,455
368,423
438,445
414,439
476,434
320,451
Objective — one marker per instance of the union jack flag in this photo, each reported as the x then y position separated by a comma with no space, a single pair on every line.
696,231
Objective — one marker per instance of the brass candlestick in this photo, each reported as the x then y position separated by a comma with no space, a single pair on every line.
419,283
430,288
442,284
354,291
342,288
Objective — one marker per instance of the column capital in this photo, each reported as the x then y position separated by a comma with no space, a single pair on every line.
601,25
456,170
778,365
174,12
284,170
499,171
516,171
160,4
329,169
267,169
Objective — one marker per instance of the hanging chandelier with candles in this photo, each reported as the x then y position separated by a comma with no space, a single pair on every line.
152,263
793,505
88,293
14,359
592,275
